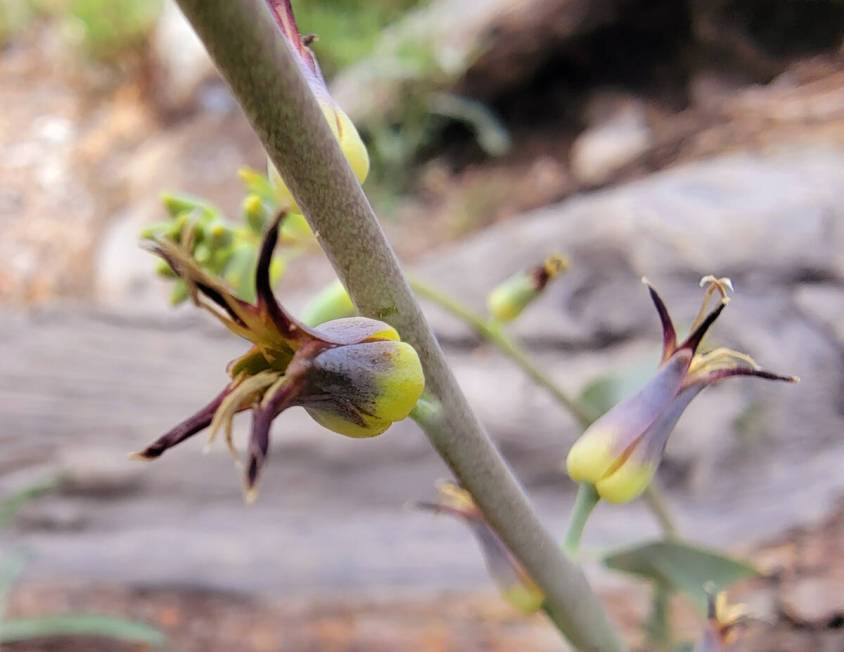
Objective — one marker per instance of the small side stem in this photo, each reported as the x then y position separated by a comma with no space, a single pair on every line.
494,334
586,501
659,619
658,504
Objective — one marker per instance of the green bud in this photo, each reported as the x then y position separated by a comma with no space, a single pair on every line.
332,302
254,213
179,293
175,205
163,270
220,236
508,300
257,184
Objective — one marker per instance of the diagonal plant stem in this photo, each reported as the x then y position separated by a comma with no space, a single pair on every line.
264,76
493,333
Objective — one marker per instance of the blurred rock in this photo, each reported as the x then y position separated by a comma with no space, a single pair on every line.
824,304
51,516
102,471
617,134
181,62
813,601
481,47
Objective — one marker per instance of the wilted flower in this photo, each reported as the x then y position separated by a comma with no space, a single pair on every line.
722,621
511,297
352,375
512,579
341,126
621,451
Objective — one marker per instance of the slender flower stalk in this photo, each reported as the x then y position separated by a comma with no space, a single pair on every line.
586,501
267,81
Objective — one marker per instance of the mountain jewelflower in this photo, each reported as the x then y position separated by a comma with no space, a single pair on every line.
620,452
353,376
341,126
512,296
515,584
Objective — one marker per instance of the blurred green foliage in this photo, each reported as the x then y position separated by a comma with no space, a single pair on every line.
102,29
108,28
12,565
347,31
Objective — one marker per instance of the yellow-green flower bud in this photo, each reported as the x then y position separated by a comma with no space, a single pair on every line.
332,302
254,213
620,452
510,298
341,126
359,390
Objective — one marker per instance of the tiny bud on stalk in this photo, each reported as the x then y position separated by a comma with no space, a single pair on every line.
508,300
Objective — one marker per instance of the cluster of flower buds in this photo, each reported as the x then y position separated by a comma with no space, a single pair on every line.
512,579
354,376
341,126
722,622
223,247
510,298
620,452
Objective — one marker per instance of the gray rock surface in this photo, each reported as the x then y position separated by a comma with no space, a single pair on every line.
79,390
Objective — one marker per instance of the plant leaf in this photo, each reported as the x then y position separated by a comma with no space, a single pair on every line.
24,629
10,505
605,391
680,567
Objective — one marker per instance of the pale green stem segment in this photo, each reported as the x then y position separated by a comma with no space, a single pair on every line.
261,69
586,501
493,333
659,619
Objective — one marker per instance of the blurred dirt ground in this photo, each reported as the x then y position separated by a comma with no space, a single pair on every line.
797,606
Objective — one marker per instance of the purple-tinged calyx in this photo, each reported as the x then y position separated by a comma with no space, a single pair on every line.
620,452
354,376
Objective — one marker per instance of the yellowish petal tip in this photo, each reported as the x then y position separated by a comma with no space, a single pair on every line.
140,457
250,495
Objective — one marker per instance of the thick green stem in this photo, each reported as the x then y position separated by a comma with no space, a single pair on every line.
586,501
262,71
493,333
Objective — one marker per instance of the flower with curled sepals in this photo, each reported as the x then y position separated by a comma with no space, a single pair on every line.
354,376
513,581
620,452
341,126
